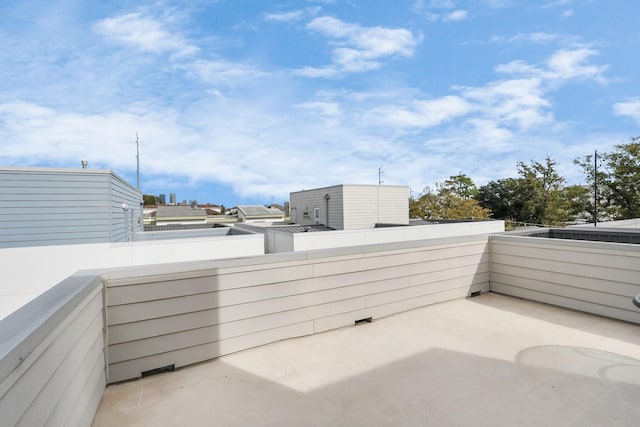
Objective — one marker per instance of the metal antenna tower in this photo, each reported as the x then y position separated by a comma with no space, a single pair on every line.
137,161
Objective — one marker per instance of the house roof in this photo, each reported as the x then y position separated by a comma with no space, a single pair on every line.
260,212
302,228
179,211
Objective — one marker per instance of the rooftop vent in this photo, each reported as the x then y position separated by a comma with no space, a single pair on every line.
365,320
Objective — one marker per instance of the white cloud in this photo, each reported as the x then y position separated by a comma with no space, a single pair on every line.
144,33
293,15
331,112
458,15
535,37
422,113
629,109
518,102
222,72
567,13
570,64
562,65
358,48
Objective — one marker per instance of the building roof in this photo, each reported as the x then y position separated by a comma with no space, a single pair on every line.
302,228
490,360
179,211
260,212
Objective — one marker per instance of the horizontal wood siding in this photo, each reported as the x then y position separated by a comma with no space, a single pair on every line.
40,207
52,370
308,200
595,277
393,204
183,317
124,224
368,205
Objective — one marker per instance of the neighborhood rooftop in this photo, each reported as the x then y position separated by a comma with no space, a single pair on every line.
263,323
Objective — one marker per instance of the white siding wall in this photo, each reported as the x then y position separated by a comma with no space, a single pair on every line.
178,315
52,366
353,207
345,238
595,277
124,223
40,206
393,204
20,282
625,223
367,205
306,201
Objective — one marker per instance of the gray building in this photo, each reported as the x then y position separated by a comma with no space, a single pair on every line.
51,206
351,207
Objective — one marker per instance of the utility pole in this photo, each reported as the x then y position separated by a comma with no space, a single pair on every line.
380,171
595,188
137,160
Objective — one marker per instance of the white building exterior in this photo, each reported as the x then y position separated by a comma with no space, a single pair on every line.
54,206
253,214
351,206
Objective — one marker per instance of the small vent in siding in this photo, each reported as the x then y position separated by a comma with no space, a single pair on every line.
365,320
475,294
168,368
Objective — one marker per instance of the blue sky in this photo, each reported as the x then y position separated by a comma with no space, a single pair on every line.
244,101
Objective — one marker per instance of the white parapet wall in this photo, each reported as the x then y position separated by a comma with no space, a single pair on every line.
175,315
624,223
28,272
281,241
595,277
52,364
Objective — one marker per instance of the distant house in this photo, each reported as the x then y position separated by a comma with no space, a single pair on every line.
62,206
183,215
250,214
351,207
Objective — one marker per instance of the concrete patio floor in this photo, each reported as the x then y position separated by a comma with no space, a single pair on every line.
492,360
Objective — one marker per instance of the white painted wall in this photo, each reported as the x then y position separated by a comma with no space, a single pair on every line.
52,360
279,241
28,272
368,205
625,223
185,313
596,277
352,206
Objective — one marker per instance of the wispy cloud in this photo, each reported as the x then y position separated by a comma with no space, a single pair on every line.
535,37
421,113
563,64
144,33
292,15
435,10
457,15
358,48
221,72
629,109
571,64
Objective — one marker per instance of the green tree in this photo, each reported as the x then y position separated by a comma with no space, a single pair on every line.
537,196
451,200
616,176
503,198
542,188
149,199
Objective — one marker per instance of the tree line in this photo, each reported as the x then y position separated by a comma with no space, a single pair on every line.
538,195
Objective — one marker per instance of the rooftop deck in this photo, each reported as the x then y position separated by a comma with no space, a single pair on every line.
489,360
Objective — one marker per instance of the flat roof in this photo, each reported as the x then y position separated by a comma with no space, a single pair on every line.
488,360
